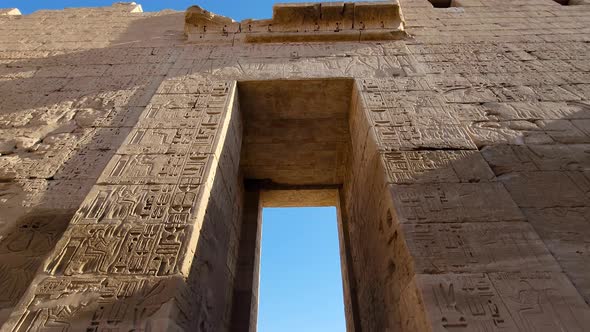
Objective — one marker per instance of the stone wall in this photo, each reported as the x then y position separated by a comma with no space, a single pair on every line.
465,192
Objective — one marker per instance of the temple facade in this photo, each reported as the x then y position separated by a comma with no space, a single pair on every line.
138,149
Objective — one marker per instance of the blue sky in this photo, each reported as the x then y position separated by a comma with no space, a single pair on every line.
236,9
300,278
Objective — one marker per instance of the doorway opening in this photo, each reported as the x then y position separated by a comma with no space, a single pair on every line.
300,273
295,153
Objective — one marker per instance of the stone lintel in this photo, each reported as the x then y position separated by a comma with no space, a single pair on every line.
302,22
299,198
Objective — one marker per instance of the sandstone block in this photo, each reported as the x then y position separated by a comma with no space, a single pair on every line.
453,202
496,301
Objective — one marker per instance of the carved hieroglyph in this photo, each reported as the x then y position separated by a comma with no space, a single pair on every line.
137,220
502,301
302,22
136,150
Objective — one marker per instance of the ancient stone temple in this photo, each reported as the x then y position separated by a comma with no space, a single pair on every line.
138,149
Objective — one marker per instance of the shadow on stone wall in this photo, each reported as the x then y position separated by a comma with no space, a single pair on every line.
64,117
512,206
59,132
67,128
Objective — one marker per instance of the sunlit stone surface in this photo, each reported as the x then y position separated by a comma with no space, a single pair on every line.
137,150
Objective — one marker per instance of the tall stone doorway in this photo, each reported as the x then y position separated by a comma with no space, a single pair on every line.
295,152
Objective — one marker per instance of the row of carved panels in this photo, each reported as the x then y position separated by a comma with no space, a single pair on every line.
168,155
146,55
479,302
244,68
101,303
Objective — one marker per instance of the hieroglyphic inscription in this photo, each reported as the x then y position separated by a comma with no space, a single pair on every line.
459,303
163,117
540,300
377,101
185,103
153,204
414,138
395,84
137,218
167,140
180,123
22,250
84,164
34,234
53,194
119,249
16,274
477,247
436,166
38,164
188,85
454,202
97,304
155,169
503,302
410,120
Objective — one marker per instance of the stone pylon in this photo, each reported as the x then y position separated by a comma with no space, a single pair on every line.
138,149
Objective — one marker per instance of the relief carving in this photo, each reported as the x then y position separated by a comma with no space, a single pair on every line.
436,166
22,250
34,235
101,304
16,273
155,169
454,202
537,301
477,247
123,249
151,204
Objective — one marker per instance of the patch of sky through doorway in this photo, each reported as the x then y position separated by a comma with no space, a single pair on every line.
300,276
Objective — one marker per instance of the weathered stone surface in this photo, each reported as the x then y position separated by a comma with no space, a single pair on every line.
502,301
302,22
436,166
296,131
103,303
453,202
477,247
544,189
566,234
455,143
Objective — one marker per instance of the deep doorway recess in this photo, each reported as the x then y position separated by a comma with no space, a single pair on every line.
295,132
295,152
300,276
